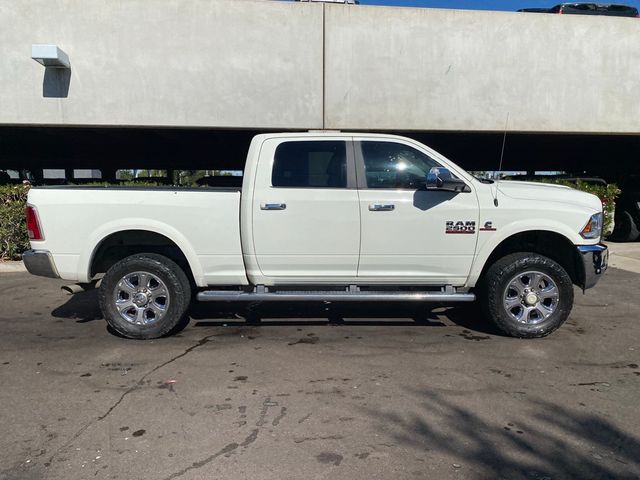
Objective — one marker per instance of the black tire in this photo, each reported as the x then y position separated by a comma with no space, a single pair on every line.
163,269
625,229
494,288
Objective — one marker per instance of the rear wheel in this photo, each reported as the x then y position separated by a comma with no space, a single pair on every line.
527,295
145,296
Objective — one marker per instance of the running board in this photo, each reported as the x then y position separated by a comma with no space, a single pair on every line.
351,294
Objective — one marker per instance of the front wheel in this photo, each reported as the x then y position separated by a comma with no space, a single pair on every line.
145,296
527,295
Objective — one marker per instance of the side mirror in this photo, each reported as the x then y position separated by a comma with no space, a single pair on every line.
440,178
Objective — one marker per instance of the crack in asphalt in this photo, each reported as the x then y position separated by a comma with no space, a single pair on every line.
138,384
319,437
225,450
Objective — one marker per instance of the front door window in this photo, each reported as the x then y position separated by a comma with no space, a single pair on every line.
393,165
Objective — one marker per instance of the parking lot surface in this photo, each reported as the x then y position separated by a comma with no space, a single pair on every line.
315,391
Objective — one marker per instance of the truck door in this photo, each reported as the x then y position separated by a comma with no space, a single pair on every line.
306,217
410,234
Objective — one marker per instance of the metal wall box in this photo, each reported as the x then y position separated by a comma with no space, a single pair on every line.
50,56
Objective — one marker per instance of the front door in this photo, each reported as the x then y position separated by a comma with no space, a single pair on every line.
409,234
306,218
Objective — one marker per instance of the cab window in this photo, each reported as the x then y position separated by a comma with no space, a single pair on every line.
310,164
394,165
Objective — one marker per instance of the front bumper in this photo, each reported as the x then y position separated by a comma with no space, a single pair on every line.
595,259
40,262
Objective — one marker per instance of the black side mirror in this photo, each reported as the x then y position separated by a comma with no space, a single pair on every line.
440,178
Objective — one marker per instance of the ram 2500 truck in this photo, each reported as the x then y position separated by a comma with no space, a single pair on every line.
324,217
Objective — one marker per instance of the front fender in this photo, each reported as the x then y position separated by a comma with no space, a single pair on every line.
490,240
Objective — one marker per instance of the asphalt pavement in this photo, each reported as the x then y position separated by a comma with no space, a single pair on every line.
315,392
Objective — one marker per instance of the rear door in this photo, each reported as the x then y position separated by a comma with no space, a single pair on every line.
306,218
409,234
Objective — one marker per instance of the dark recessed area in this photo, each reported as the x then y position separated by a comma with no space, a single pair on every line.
113,148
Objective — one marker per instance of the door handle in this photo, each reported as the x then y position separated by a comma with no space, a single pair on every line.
382,207
273,206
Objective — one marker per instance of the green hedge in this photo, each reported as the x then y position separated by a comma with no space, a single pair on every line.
607,195
13,229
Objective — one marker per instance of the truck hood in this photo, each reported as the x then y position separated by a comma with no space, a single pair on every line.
548,192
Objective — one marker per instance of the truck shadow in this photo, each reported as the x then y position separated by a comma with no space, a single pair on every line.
365,313
83,307
541,439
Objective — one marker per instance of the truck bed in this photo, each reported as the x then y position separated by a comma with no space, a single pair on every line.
203,222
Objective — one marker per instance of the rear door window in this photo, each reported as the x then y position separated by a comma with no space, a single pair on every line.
310,164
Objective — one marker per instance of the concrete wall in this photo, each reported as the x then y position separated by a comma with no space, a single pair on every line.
427,69
266,64
219,63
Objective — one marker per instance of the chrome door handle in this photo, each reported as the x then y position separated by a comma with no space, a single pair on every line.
273,206
382,207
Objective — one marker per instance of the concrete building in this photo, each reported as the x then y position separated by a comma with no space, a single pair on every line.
188,82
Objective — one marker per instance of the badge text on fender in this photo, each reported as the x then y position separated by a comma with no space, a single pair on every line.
460,227
488,227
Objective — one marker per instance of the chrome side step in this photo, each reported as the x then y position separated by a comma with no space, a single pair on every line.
350,294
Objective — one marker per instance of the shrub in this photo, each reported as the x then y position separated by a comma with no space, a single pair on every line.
13,230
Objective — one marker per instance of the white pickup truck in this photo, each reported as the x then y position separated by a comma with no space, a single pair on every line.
327,217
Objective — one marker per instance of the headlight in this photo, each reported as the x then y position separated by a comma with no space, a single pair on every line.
593,228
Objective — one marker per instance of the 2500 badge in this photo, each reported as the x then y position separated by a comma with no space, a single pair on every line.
460,227
468,227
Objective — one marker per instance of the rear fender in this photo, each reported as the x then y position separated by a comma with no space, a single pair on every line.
97,236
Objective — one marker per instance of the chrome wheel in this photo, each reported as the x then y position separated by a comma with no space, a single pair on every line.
141,298
530,297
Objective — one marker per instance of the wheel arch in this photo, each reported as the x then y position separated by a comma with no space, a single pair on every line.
112,244
551,244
